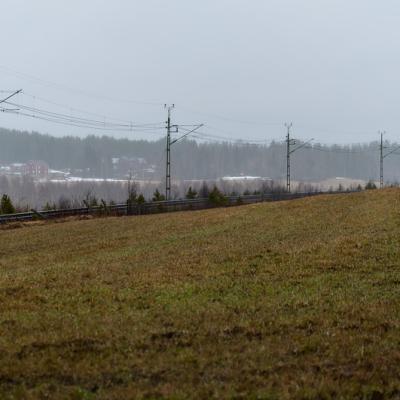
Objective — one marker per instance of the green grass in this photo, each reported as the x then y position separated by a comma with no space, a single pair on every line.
296,299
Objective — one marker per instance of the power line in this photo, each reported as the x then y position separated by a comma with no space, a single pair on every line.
62,87
232,138
81,111
84,121
341,151
238,121
77,125
218,138
79,122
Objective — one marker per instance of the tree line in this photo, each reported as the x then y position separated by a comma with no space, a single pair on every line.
27,195
193,160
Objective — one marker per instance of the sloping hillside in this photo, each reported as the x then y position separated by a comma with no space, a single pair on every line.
296,299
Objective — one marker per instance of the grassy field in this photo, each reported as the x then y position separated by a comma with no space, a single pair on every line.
295,299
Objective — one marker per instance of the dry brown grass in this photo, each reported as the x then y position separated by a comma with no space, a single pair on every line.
283,300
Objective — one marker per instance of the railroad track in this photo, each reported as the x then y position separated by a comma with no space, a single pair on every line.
152,207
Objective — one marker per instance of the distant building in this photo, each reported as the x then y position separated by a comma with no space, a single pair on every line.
58,175
36,169
16,169
129,166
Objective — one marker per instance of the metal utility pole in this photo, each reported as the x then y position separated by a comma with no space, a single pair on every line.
381,161
290,142
383,156
168,166
170,143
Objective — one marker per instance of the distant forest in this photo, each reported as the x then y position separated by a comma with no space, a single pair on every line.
193,160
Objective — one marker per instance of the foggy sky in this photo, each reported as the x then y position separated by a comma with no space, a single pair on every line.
243,67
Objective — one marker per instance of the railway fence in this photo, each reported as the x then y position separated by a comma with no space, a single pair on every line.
155,207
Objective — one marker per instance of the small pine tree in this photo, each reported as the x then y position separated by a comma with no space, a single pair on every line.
6,205
157,196
370,185
132,191
217,198
141,199
132,195
191,194
103,207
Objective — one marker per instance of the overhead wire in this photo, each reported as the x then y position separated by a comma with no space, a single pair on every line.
77,125
78,119
74,108
79,122
340,150
58,86
229,119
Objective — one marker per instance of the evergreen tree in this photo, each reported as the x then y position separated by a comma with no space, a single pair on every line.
132,194
6,205
191,194
217,198
157,196
370,185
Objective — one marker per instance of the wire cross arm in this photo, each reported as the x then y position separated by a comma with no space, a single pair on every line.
301,146
11,95
187,133
392,152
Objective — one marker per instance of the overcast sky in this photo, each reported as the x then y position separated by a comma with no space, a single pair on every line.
243,67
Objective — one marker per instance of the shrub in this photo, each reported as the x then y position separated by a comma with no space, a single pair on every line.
191,194
103,207
157,196
217,198
6,205
370,185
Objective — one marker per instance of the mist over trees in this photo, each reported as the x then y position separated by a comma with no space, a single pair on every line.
93,155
